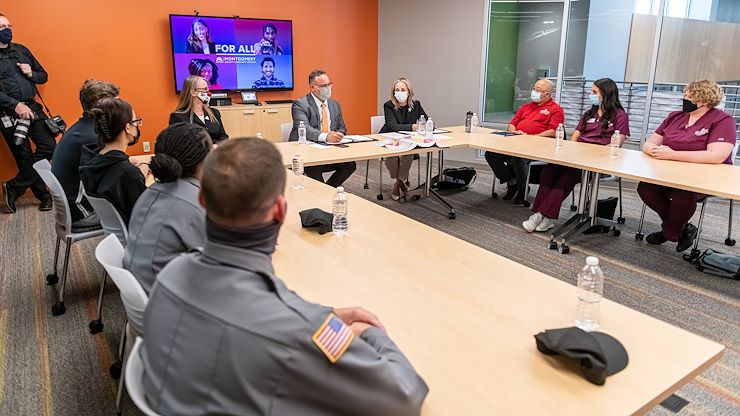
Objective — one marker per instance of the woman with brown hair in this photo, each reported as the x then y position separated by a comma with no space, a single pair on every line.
193,108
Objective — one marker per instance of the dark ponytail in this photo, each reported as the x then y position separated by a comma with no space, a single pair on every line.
179,150
111,116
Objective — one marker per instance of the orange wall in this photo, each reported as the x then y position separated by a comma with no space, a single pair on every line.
128,42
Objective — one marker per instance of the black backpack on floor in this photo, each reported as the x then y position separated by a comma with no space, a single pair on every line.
455,178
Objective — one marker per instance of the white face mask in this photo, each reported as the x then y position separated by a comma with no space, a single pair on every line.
325,93
535,95
203,96
401,96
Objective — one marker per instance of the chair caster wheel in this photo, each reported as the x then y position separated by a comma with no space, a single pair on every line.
96,326
415,197
52,279
379,197
573,208
639,236
58,309
115,370
620,220
408,183
526,204
616,232
365,186
451,216
729,242
563,249
695,253
494,195
552,245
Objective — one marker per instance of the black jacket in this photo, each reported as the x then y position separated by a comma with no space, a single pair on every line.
66,163
111,176
401,118
14,85
215,130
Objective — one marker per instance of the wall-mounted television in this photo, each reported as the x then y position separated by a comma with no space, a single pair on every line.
233,54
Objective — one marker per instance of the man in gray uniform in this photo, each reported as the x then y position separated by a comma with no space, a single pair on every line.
224,335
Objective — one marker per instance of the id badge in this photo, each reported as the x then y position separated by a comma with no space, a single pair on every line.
7,122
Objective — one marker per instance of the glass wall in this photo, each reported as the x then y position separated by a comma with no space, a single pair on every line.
611,39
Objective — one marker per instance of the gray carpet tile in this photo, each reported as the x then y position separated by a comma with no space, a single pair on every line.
54,366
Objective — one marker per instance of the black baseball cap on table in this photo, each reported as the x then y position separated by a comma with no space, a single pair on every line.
600,355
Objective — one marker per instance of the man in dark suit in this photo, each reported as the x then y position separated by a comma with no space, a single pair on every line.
324,123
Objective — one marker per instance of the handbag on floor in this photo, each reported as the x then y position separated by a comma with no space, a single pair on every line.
718,264
455,178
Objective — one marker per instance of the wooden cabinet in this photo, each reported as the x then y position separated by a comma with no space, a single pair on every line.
244,120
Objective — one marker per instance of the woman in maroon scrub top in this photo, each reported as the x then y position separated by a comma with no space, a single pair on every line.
597,125
698,134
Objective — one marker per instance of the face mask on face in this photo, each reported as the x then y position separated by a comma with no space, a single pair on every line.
6,35
688,106
325,93
401,96
535,95
136,138
595,99
203,96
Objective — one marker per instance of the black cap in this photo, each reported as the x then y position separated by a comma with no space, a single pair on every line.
601,355
316,218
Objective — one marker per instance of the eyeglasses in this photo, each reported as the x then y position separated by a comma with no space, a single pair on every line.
137,122
331,84
202,89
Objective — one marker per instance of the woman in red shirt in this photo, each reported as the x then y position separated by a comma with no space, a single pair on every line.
597,125
699,133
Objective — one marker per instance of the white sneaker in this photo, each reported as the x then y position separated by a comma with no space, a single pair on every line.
532,222
544,225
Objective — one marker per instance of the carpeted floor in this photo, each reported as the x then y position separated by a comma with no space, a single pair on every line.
52,365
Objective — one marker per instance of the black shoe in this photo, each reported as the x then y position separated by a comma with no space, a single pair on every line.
656,238
10,198
46,205
686,239
511,190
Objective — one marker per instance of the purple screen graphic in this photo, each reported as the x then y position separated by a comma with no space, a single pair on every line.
233,54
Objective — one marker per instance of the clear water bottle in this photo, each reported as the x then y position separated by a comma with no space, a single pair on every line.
259,135
297,171
559,136
468,119
422,126
430,128
302,133
614,145
339,209
474,123
590,290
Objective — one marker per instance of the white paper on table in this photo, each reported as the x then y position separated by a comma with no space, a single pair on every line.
393,135
440,137
357,138
318,146
434,132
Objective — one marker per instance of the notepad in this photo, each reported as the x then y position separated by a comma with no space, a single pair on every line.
436,131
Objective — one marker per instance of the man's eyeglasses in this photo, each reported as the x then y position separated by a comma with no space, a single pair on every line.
6,27
331,84
137,122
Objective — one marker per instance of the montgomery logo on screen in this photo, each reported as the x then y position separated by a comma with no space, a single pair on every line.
233,53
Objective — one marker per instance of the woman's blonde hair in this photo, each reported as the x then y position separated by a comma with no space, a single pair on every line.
186,98
705,91
409,100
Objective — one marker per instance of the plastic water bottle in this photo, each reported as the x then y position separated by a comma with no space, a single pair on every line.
259,135
297,171
614,145
468,119
559,136
474,123
430,128
339,209
590,290
302,133
422,126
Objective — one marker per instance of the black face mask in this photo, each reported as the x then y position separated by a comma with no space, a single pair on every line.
6,35
688,106
136,138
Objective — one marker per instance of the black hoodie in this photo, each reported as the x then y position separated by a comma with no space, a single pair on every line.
111,176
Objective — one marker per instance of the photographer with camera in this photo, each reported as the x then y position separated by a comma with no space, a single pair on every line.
21,114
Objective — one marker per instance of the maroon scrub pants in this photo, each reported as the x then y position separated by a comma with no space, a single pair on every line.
674,206
556,183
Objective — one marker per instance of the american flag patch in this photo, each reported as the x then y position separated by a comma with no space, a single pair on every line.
333,337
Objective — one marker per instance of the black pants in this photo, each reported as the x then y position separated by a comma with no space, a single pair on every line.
25,157
342,171
508,169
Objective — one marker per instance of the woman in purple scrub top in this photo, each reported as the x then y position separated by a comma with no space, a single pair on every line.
699,133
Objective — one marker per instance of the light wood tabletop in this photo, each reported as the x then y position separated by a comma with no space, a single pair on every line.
466,317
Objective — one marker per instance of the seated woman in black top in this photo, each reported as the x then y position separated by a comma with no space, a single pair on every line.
193,108
105,169
401,113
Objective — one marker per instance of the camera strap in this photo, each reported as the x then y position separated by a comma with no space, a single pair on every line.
48,112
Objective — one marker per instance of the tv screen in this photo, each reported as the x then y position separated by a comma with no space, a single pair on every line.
233,53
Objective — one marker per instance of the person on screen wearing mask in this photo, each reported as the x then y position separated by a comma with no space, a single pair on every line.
268,45
199,40
193,108
539,117
268,79
597,125
401,113
324,123
105,168
700,133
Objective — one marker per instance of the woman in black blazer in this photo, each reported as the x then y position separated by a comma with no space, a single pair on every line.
193,108
401,114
